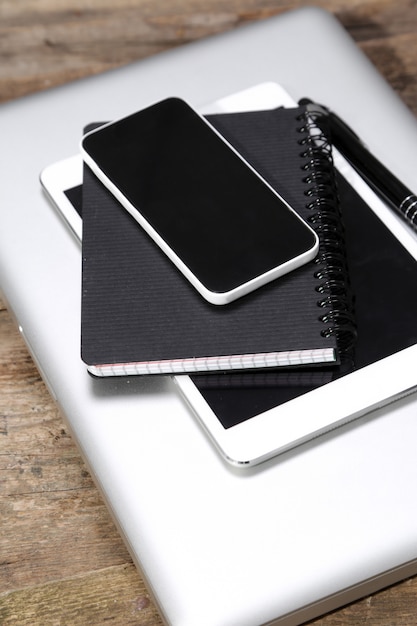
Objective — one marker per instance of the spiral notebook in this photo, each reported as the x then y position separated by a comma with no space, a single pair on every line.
139,316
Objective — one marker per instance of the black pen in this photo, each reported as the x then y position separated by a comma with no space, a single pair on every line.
379,178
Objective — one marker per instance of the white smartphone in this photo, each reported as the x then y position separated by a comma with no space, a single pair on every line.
219,222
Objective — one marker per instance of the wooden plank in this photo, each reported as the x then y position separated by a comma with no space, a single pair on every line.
44,43
115,595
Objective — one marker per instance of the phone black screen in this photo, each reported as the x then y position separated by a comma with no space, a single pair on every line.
211,209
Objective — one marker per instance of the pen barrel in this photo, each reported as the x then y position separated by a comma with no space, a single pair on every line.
379,177
408,208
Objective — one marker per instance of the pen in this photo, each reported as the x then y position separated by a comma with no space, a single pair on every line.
379,178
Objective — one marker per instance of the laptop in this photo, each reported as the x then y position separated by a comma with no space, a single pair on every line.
278,543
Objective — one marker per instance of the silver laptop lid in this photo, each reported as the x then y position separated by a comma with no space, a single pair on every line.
301,534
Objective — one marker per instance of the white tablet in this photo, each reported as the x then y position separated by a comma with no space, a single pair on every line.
249,424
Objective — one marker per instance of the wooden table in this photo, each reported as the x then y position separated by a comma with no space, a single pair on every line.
61,559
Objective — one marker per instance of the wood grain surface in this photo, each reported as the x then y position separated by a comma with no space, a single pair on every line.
61,558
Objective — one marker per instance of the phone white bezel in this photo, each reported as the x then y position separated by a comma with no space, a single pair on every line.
217,298
316,412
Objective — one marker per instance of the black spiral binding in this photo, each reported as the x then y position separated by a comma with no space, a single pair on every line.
337,301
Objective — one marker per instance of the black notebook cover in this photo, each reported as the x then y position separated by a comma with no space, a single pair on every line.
139,314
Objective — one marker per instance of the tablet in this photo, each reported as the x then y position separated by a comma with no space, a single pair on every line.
251,423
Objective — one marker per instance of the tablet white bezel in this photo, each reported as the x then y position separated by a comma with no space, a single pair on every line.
312,414
61,176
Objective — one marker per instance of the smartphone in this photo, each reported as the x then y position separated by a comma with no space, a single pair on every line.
211,213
